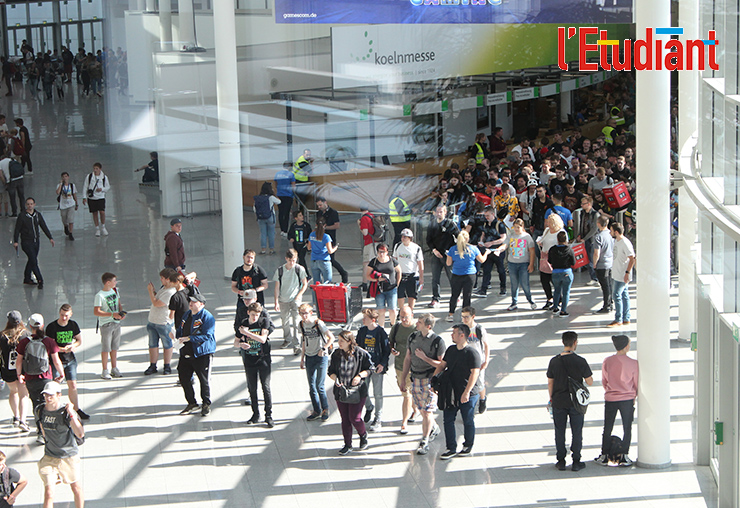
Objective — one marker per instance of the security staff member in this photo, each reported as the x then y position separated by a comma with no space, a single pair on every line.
400,213
301,169
610,131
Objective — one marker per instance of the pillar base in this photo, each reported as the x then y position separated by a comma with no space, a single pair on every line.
643,465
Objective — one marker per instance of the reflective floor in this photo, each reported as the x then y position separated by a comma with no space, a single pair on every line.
141,453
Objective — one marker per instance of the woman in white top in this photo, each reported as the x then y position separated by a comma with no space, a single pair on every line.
549,238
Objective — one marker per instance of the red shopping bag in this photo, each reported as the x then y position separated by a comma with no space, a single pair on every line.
617,196
482,198
579,250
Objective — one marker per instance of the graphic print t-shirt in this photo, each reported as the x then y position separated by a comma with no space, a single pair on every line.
519,246
64,335
108,302
251,279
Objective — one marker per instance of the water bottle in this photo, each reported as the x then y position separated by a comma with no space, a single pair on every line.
549,408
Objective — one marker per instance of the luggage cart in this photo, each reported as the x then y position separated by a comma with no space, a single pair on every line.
337,303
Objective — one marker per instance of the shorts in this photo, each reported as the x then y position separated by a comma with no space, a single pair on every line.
409,286
68,215
9,376
399,375
70,370
157,332
51,469
110,336
387,299
96,205
368,252
423,396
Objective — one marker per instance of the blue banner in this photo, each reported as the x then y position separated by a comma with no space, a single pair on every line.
452,11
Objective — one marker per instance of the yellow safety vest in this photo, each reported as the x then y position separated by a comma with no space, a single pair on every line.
615,116
479,155
608,134
404,215
298,171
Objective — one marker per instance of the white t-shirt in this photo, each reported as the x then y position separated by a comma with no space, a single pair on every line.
408,257
622,251
66,196
161,315
100,184
108,301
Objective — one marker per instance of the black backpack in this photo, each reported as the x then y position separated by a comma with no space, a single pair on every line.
15,169
615,451
262,206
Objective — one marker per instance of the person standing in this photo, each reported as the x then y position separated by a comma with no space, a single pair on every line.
68,205
441,236
196,335
321,246
61,427
248,276
373,339
27,231
624,261
521,259
13,174
350,365
386,273
478,340
264,209
561,259
174,248
463,364
302,169
16,482
107,308
93,192
7,68
540,206
68,337
316,344
493,235
159,327
567,364
254,347
554,224
18,398
25,138
290,285
602,261
367,230
462,258
398,342
585,229
298,234
619,377
285,185
411,260
400,213
331,221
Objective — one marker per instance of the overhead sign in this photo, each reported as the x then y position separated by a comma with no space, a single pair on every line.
451,11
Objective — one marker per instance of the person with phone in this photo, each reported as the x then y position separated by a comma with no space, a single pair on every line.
67,199
107,308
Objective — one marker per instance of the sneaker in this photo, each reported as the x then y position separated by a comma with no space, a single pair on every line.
533,305
479,294
205,409
481,406
150,370
592,282
66,230
97,231
368,415
167,370
345,450
296,351
376,425
423,448
626,461
613,324
115,372
547,305
269,422
285,344
363,442
313,416
467,450
23,426
602,460
448,455
577,466
15,421
103,231
71,237
560,465
41,286
324,415
412,418
254,419
190,408
502,292
449,318
433,304
435,432
603,310
513,306
40,439
563,313
83,415
555,310
403,430
106,374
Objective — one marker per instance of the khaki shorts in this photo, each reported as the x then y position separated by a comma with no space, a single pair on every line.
68,215
368,252
110,336
52,469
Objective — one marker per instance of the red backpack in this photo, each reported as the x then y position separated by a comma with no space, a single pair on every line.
18,148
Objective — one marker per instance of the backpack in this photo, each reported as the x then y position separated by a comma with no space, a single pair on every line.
36,358
378,232
435,346
262,206
615,450
15,169
579,394
18,148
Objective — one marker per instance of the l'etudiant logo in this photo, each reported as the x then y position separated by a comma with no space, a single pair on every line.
642,54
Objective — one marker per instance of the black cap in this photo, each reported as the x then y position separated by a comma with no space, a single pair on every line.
175,221
620,341
198,298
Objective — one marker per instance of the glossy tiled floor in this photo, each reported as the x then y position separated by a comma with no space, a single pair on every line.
141,453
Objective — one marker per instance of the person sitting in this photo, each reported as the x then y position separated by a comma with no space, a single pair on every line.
150,169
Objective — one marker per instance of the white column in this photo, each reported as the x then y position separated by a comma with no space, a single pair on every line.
151,5
227,100
165,25
653,261
186,19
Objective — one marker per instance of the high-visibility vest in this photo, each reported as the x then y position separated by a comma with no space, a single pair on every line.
615,116
479,155
298,170
609,134
404,215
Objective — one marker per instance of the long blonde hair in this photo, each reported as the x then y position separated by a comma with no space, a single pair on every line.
462,243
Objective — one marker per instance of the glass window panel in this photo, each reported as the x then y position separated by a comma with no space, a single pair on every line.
41,13
70,10
92,9
16,14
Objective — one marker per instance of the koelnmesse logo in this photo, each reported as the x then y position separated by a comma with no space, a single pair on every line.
641,54
394,58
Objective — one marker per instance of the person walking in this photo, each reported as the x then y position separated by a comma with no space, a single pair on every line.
321,247
68,204
441,236
25,138
254,347
93,192
290,285
521,259
11,335
462,257
27,231
316,345
553,225
285,184
349,367
561,259
398,340
196,336
384,271
330,217
159,327
264,209
492,236
374,339
298,234
411,260
109,311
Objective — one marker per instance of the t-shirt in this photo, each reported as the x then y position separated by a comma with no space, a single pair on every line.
366,222
464,265
478,335
605,243
319,249
572,201
60,440
283,181
51,348
399,340
330,217
291,281
564,214
250,279
408,257
388,269
619,376
66,199
314,337
108,301
64,336
161,315
14,476
518,249
595,184
375,342
9,354
419,368
491,231
258,353
622,251
562,366
460,363
180,303
299,234
557,186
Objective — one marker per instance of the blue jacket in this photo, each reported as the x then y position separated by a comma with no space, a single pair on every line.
202,332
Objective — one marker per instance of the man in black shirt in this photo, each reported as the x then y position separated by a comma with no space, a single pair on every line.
567,364
27,230
540,206
298,234
331,219
248,276
463,365
493,234
440,237
557,185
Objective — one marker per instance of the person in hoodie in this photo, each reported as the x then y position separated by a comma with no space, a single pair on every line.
374,339
27,231
174,249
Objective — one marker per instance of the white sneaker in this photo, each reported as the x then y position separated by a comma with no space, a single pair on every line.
103,230
592,283
97,231
115,372
106,374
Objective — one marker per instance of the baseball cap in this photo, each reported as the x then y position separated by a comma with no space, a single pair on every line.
250,294
36,321
175,221
15,316
52,388
407,232
198,298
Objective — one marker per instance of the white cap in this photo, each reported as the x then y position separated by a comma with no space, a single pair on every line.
36,321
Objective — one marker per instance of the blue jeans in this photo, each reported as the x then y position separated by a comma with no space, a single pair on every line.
387,299
562,282
467,411
267,232
157,332
519,277
316,367
621,297
321,270
589,245
560,418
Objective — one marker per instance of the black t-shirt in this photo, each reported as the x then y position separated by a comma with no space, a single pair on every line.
492,231
330,217
251,279
299,234
257,353
179,302
459,363
388,269
557,186
572,201
64,336
561,366
538,212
